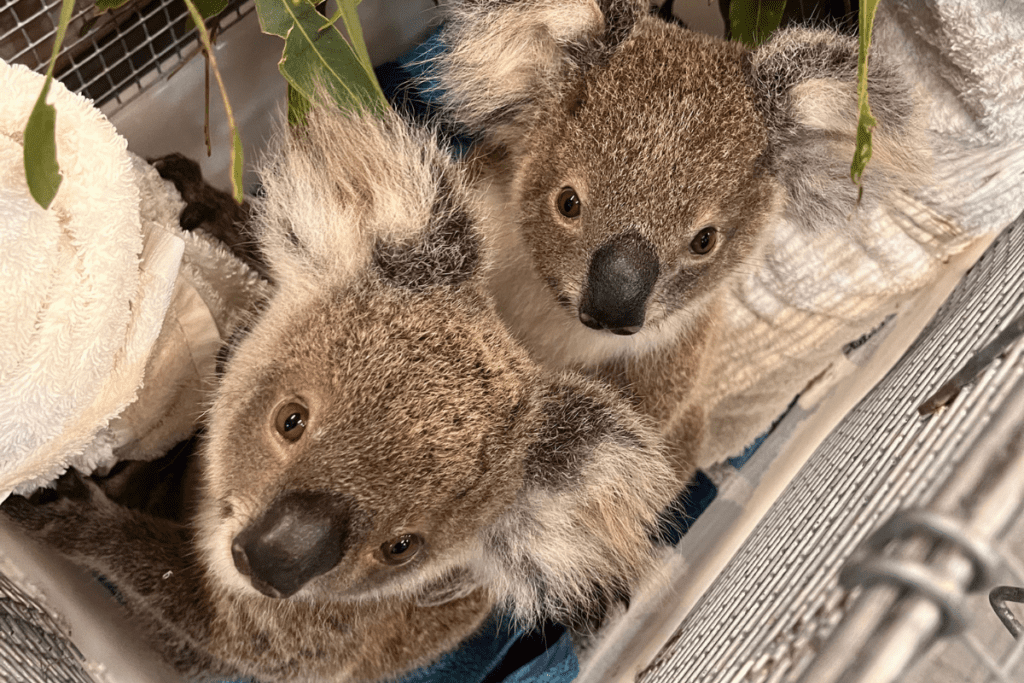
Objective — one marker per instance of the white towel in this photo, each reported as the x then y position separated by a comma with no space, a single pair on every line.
87,285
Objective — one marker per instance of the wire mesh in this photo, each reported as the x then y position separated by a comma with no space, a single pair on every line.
109,57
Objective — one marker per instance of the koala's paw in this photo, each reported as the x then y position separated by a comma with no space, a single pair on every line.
57,516
188,181
182,171
210,210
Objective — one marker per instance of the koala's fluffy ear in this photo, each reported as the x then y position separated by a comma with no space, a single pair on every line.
350,195
806,83
580,534
501,60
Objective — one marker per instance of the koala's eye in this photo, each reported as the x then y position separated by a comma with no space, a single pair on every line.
401,549
290,420
568,203
704,241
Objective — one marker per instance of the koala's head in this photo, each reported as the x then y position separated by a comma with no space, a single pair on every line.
648,160
378,432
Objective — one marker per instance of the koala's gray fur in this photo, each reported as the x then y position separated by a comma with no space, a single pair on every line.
533,490
662,133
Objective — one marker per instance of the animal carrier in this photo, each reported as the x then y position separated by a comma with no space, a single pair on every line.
875,534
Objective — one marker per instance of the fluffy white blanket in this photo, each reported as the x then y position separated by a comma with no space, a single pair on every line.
112,316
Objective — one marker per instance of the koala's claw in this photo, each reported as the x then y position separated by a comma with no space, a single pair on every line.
180,170
211,210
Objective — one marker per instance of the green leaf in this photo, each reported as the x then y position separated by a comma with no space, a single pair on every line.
236,140
866,122
105,5
41,169
752,21
347,12
207,8
210,8
317,57
42,172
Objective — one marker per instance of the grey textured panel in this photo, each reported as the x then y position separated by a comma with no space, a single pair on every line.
33,647
779,599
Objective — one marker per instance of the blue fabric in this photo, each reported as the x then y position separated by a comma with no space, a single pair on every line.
555,664
501,653
409,87
741,459
694,499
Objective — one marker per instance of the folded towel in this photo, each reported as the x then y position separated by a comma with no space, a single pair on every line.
213,293
87,285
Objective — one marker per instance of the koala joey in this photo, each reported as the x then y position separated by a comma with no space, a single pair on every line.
633,169
382,463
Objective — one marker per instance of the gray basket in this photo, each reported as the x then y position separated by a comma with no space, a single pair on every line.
778,611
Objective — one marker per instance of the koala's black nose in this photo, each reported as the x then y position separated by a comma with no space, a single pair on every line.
300,536
622,274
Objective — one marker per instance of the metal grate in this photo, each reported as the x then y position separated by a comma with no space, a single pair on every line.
779,603
33,647
110,57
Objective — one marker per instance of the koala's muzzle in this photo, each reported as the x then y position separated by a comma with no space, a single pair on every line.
300,536
621,276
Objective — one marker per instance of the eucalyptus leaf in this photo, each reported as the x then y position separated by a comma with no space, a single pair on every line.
41,169
318,57
347,13
105,5
207,8
42,172
752,21
210,8
865,122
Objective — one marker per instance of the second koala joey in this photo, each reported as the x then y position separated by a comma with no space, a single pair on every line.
633,169
382,462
